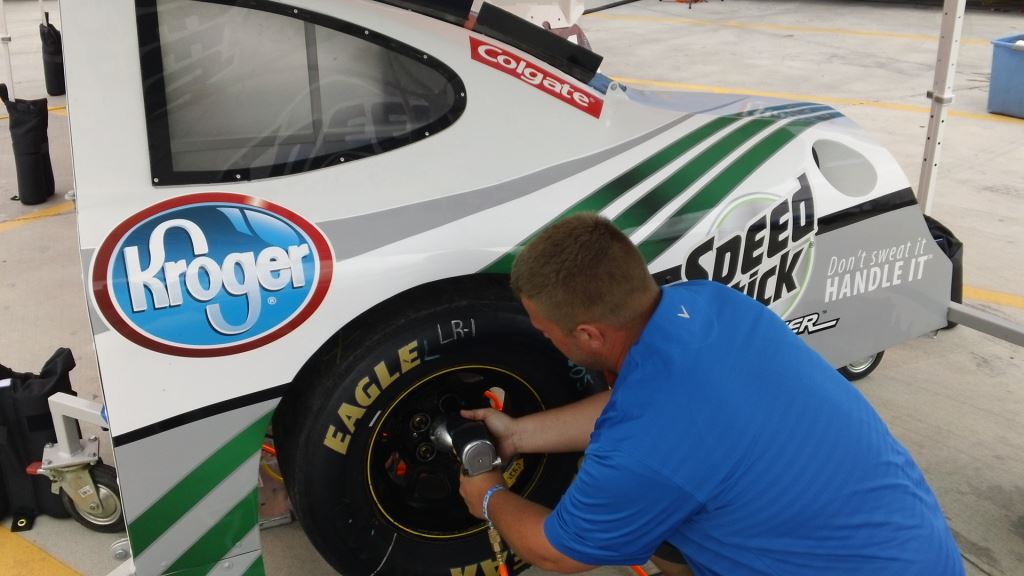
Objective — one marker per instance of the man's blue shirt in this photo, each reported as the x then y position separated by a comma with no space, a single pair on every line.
730,438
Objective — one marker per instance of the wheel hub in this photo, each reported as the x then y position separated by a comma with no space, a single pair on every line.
416,485
862,364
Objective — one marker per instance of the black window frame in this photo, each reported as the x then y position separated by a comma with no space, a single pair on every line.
155,99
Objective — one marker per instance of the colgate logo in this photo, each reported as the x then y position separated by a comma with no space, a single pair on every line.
211,274
508,62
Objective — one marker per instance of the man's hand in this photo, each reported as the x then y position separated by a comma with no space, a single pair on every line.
501,426
520,522
473,489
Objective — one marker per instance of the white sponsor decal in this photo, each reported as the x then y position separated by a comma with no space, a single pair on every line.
512,64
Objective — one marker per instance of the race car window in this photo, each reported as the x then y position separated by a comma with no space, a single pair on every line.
248,89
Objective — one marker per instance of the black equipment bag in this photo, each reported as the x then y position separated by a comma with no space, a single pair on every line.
53,58
26,427
4,506
28,123
18,486
953,248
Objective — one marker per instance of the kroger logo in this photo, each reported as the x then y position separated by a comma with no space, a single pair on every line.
211,274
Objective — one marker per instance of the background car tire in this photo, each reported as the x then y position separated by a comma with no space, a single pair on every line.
861,368
370,495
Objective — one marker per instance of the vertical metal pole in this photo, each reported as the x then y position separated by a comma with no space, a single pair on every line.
5,47
941,96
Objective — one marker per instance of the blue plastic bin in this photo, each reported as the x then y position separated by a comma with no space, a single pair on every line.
1006,92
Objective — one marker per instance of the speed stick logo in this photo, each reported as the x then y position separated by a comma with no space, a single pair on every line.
211,274
761,247
512,64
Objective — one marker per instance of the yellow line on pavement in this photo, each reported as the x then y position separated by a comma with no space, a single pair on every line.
19,557
815,98
993,297
783,28
55,210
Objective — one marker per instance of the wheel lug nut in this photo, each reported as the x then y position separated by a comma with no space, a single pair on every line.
425,452
419,422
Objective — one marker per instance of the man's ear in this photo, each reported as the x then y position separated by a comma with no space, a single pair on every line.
589,336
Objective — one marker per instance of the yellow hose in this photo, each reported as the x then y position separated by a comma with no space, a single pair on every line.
270,472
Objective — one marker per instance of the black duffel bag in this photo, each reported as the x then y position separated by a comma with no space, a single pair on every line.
953,248
28,123
4,506
26,427
53,58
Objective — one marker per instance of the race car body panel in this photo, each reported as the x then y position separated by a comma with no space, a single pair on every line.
255,175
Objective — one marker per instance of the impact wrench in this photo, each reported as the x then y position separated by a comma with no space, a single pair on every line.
472,445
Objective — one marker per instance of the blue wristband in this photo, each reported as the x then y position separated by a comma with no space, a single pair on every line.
487,499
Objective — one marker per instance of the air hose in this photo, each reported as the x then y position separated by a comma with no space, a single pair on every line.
502,567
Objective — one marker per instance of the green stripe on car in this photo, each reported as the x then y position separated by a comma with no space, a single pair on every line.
223,536
775,109
256,568
180,499
605,195
647,206
722,185
608,193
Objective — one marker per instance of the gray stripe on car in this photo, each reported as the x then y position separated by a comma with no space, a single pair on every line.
360,234
98,325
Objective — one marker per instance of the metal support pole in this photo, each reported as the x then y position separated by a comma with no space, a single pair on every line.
5,49
941,96
983,321
67,411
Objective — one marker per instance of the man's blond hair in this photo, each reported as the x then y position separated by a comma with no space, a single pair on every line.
583,269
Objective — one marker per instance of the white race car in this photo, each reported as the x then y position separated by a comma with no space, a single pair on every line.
305,213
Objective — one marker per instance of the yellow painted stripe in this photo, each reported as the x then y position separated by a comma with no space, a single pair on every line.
993,297
55,210
784,28
58,110
816,98
19,557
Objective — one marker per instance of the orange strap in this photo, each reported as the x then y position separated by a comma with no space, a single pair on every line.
495,401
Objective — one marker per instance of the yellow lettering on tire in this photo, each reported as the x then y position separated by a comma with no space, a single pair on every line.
366,392
384,376
489,567
350,415
337,441
408,356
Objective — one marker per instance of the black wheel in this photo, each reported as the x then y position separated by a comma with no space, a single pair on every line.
373,493
109,517
861,368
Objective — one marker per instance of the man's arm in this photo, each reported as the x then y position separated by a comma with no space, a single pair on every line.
563,429
520,523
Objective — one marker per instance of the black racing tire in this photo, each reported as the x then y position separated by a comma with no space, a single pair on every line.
862,368
371,497
111,517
